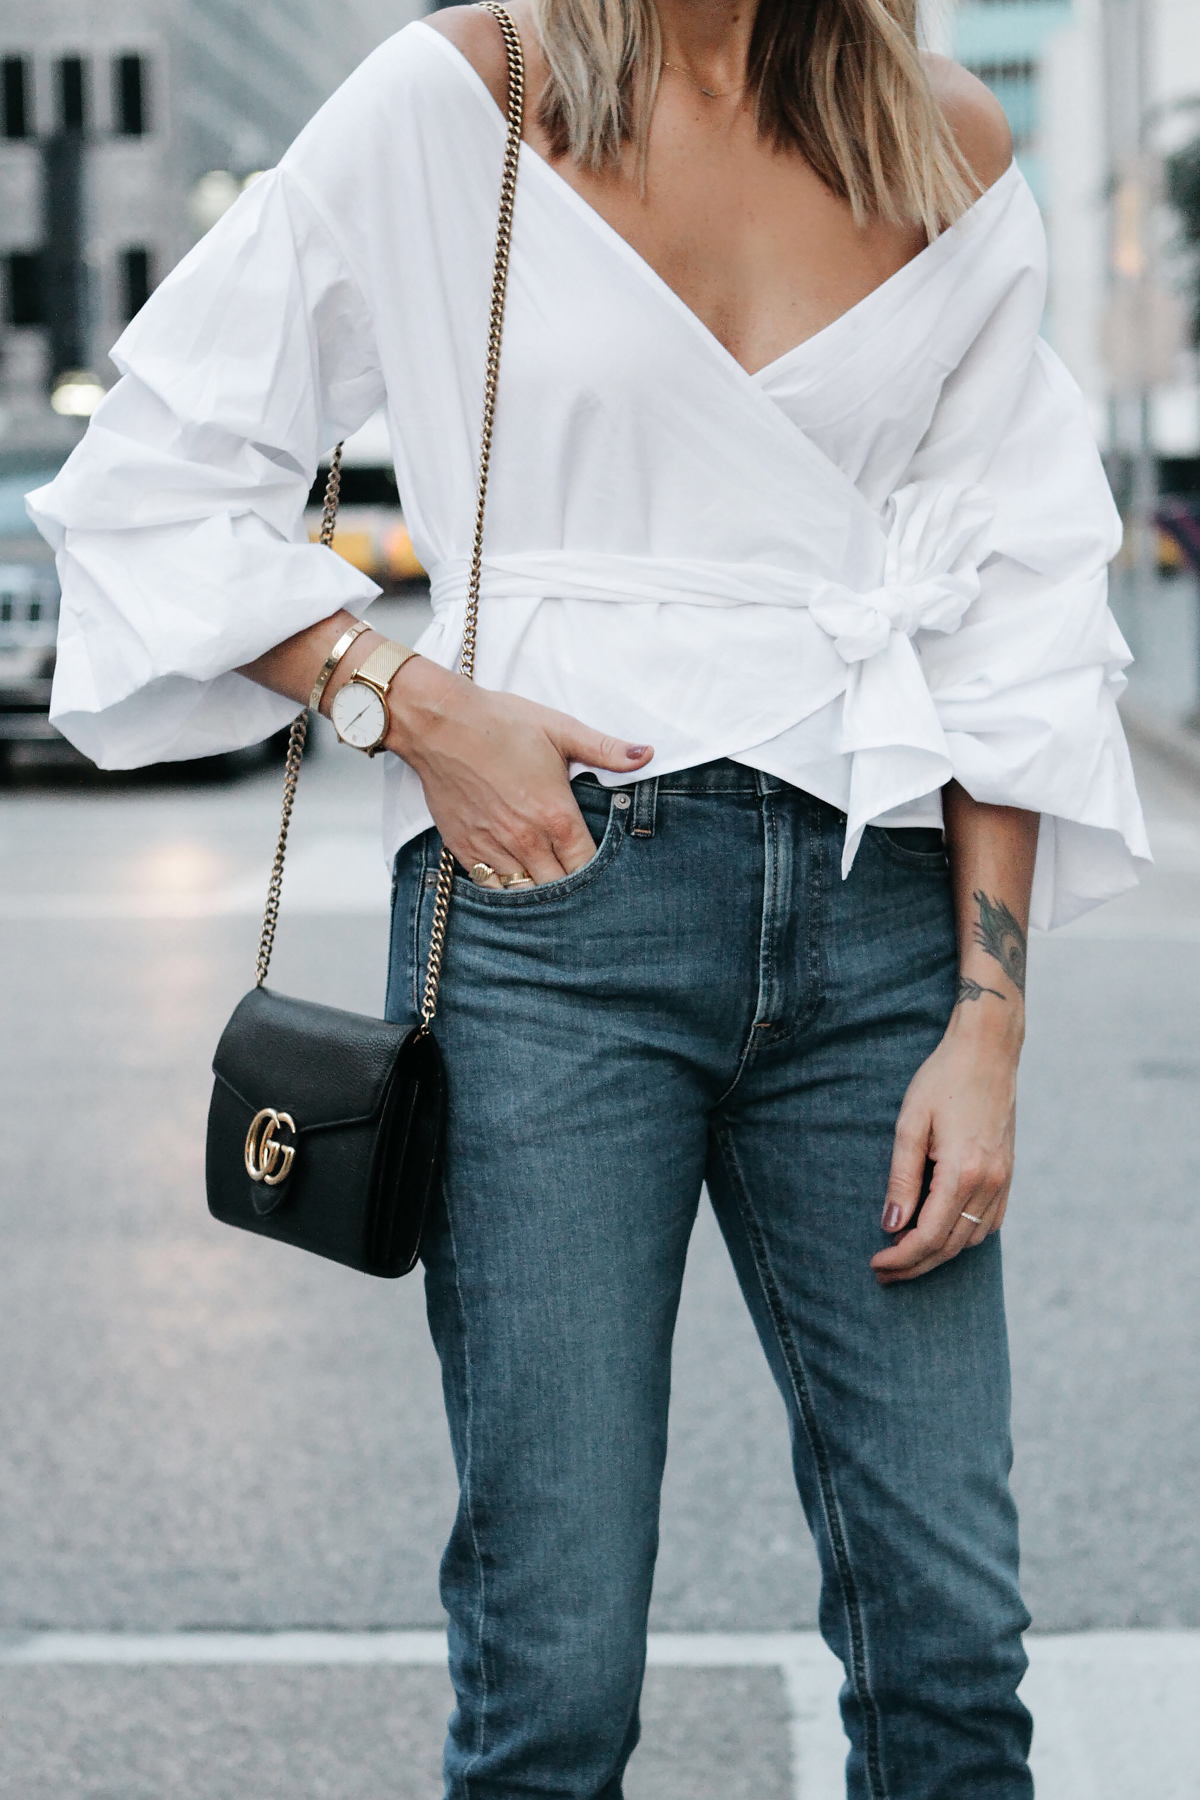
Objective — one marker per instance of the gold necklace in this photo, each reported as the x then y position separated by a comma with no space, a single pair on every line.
709,93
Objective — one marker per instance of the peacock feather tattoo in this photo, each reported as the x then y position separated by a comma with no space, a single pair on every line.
998,933
975,990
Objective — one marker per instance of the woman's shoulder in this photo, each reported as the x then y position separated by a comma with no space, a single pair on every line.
410,87
476,36
410,70
975,116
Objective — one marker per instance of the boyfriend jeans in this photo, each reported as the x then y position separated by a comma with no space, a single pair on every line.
706,1001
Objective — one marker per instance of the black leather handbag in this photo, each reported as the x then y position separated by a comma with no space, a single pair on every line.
325,1128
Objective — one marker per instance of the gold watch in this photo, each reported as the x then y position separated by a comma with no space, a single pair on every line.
359,710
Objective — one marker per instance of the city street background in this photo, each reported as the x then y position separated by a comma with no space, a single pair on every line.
202,1430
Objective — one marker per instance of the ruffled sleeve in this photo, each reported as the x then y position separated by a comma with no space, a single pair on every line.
1026,688
178,521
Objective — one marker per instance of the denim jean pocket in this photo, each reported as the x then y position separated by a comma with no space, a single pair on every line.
913,847
612,835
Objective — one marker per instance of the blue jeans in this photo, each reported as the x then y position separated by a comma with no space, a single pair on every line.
706,1001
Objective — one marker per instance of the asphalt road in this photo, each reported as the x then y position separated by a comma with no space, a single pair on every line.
200,1430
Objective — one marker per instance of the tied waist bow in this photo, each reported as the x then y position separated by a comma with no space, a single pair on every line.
935,543
937,539
934,536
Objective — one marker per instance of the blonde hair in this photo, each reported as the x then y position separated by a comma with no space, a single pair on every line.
841,81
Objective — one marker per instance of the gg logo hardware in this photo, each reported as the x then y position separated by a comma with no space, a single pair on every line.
267,1160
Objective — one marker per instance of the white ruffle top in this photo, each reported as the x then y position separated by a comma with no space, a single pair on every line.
873,565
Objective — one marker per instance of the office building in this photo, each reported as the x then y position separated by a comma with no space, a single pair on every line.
110,117
1065,72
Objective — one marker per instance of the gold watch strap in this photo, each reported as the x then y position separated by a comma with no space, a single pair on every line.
332,660
381,666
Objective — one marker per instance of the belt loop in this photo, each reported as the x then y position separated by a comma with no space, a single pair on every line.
645,807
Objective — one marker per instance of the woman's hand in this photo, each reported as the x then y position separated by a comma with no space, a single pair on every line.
960,1111
960,1108
495,770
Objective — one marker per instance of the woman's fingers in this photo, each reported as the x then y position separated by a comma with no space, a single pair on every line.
544,838
496,774
963,1208
547,837
579,744
576,743
930,1236
958,1111
907,1174
570,839
535,857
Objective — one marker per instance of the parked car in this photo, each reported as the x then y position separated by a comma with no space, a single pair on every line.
29,599
28,627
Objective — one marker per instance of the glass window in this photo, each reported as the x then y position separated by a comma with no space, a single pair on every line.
136,279
130,109
18,122
72,93
25,291
1015,86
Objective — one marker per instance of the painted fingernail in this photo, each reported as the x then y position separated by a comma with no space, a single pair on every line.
892,1217
635,751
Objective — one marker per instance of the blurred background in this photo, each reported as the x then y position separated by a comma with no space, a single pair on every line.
224,1477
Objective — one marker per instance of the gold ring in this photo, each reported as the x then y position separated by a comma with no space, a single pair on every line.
482,873
971,1216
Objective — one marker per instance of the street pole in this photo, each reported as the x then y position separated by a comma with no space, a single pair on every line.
1145,471
1127,29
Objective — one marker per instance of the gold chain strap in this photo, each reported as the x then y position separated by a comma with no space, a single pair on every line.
295,751
299,732
508,190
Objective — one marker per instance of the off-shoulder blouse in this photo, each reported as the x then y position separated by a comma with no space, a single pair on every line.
876,564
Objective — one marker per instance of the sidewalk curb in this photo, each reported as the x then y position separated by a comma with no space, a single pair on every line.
1174,743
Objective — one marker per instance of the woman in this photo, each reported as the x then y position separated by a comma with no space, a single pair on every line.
795,556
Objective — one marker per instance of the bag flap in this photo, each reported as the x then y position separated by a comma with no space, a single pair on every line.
321,1065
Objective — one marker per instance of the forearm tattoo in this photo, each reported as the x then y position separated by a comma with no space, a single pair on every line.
974,990
998,933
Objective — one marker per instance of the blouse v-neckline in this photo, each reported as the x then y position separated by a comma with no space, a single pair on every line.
660,521
760,378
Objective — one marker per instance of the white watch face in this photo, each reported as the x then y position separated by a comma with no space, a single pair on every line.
359,716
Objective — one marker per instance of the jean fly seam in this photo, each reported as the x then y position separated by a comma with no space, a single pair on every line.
467,1500
764,955
815,912
770,914
834,1522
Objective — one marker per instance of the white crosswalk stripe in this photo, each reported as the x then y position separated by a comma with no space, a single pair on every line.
1117,1713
